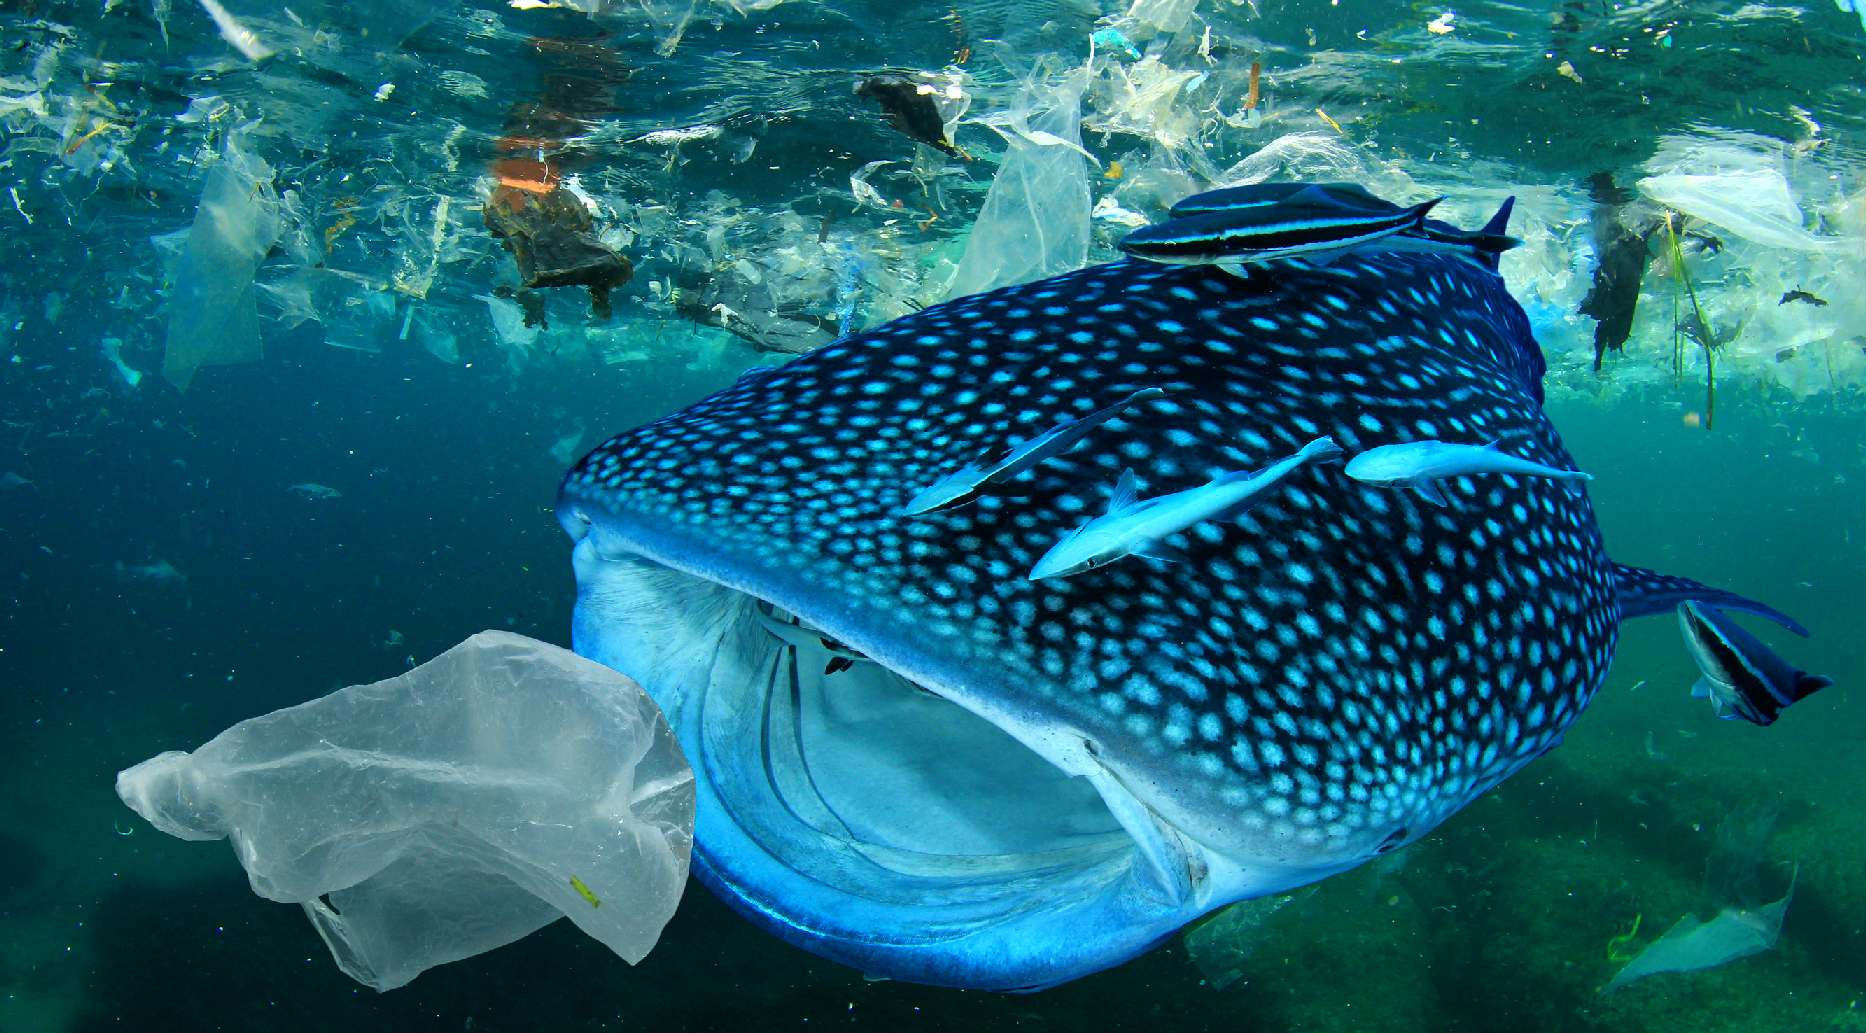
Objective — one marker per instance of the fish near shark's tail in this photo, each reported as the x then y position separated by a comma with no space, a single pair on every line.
1646,593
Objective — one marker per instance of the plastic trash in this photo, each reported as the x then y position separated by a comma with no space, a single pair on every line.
1147,99
213,318
1691,946
1035,221
454,809
1754,204
514,333
554,241
113,354
1163,16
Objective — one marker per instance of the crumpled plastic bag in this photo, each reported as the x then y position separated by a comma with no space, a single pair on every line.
1223,944
454,809
1035,221
213,319
1692,946
1754,204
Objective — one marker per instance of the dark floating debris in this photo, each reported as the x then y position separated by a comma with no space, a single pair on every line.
552,237
1801,295
1621,256
908,106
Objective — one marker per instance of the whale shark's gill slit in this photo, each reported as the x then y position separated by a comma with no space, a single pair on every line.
786,769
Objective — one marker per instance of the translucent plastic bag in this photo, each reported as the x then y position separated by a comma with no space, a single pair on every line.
1754,204
1035,221
454,809
213,316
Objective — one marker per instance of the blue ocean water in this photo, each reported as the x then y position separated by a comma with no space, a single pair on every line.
169,573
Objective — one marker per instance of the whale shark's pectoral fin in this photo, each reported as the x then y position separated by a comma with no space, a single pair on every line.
1429,490
1647,593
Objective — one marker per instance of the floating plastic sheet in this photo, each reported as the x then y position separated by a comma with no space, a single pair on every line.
1314,156
454,809
1035,221
1692,946
1162,16
213,320
508,326
1148,99
1754,204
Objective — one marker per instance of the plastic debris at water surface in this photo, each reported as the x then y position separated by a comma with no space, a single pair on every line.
1035,221
451,810
213,318
1754,204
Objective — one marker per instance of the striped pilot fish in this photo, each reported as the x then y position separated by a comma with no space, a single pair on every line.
1742,678
1275,221
1024,781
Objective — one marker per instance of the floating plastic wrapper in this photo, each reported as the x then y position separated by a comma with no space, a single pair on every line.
1691,946
213,319
1754,204
454,809
1035,221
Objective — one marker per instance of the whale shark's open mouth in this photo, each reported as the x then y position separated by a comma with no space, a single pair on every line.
873,819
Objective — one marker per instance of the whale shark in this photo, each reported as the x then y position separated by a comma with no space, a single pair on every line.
1028,781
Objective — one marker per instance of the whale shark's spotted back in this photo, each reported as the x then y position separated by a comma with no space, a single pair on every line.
1334,673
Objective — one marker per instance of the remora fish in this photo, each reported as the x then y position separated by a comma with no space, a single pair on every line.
972,480
839,658
1132,526
1301,226
1097,761
1742,677
1420,465
1483,246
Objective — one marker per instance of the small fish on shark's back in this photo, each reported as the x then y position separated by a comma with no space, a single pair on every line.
1135,527
1420,465
1290,229
972,480
1265,222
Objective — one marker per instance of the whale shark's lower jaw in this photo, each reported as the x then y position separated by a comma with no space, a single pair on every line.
877,822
